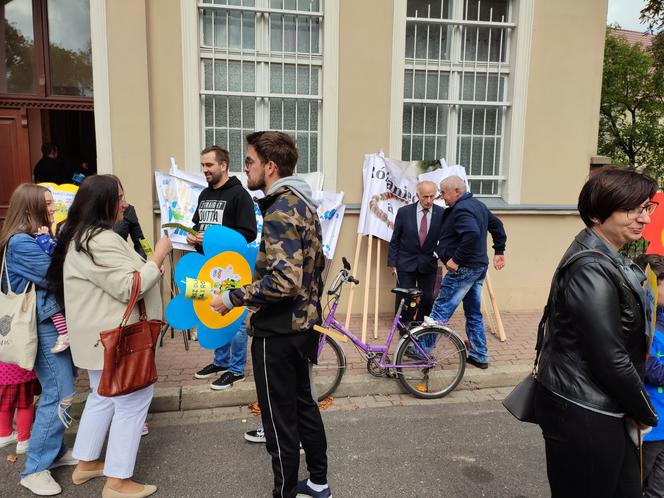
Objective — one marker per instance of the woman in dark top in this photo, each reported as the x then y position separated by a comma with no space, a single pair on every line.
592,354
129,226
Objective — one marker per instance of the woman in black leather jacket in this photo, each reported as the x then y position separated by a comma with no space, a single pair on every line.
592,353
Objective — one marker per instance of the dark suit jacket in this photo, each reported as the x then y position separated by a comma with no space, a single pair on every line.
405,252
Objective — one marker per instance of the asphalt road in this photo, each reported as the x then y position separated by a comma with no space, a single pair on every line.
471,449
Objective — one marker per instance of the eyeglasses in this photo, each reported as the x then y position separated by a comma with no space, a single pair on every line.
638,211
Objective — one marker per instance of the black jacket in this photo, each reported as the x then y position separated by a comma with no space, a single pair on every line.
405,252
594,344
129,226
463,236
229,205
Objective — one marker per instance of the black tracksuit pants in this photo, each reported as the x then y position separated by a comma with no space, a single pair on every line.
289,412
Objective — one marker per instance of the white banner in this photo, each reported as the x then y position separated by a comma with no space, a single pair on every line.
390,184
178,201
331,214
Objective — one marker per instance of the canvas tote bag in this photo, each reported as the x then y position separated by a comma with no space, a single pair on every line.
18,323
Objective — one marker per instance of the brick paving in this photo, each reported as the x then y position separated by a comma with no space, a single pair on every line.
176,366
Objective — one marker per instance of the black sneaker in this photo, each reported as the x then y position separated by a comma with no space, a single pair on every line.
304,491
226,380
255,436
209,371
476,363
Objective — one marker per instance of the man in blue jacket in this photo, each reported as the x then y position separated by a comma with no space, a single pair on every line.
416,231
462,248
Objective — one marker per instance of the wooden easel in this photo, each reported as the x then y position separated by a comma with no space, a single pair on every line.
494,315
367,279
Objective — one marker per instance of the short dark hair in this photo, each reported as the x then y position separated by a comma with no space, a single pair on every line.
48,148
221,155
655,261
277,147
613,189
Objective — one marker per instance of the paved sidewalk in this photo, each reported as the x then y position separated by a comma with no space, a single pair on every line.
178,390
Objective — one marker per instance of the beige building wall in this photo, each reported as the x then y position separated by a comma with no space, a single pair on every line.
564,90
365,71
165,80
130,103
145,70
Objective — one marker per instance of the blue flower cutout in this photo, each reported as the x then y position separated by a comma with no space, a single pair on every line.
227,262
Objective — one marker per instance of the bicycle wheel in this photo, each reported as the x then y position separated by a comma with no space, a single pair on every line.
330,367
437,375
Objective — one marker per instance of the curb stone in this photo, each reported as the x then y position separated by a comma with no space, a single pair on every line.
198,397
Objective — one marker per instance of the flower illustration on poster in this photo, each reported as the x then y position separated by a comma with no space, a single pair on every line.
227,263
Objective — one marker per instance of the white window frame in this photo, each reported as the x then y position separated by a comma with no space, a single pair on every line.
191,87
515,99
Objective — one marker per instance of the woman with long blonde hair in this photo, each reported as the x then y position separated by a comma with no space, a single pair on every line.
31,208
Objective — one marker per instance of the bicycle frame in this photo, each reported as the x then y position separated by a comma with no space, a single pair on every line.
330,321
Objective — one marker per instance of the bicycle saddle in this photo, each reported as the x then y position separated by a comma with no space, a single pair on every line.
407,292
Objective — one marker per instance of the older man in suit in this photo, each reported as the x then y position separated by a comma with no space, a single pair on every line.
411,255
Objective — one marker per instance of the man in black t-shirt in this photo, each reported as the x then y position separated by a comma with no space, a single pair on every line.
224,202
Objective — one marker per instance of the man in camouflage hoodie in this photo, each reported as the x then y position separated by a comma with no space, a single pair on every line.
285,297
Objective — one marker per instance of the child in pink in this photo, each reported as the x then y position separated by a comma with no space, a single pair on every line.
47,244
18,388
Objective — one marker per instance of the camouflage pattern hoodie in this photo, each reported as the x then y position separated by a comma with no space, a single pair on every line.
288,280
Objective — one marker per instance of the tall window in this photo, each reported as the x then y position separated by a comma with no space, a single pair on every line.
456,80
261,65
45,48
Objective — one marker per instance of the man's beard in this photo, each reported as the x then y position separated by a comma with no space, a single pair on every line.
256,185
214,179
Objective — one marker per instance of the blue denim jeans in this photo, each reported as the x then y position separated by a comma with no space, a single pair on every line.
234,354
464,285
56,376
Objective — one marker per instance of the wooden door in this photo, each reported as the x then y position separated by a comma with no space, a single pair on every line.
14,154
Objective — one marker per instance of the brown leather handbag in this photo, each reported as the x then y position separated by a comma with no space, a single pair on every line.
129,350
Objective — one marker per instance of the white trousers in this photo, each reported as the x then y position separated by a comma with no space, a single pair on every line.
125,415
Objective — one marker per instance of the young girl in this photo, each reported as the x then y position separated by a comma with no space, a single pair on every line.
47,244
31,207
18,389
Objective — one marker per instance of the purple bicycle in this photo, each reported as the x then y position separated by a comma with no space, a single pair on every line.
430,359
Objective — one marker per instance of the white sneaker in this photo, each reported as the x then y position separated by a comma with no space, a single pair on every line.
61,343
430,321
255,436
65,460
145,430
22,447
7,440
41,484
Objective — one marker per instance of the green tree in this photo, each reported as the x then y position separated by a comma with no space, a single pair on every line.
653,14
632,107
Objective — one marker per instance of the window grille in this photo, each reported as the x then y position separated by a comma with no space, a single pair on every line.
261,64
456,86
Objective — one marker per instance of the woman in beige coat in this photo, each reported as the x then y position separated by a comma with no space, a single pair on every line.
92,273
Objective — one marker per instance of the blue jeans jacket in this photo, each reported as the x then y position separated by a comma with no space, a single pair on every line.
27,262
